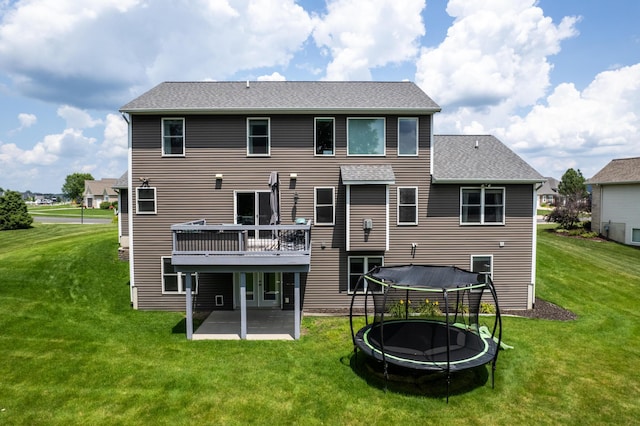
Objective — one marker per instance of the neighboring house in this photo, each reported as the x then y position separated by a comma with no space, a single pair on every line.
282,194
97,191
121,186
548,194
615,202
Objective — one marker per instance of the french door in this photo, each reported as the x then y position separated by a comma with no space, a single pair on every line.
253,208
263,289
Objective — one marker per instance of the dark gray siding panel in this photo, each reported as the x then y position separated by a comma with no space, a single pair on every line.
187,190
368,202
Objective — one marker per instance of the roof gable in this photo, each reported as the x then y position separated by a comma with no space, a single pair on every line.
478,159
285,96
100,187
621,170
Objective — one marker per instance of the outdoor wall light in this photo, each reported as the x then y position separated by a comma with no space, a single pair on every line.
219,176
145,182
293,176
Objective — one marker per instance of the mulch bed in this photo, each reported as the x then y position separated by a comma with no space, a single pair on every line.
543,310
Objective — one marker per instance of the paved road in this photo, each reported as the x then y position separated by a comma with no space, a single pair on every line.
70,220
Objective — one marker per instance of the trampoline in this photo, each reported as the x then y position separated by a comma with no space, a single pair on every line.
452,340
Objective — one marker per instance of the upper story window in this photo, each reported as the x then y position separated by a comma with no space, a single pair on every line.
325,206
407,136
365,136
482,206
258,137
173,137
407,206
324,140
146,200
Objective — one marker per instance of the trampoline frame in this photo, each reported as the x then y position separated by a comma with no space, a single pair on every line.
464,281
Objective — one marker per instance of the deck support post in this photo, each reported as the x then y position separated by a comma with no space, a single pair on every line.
296,303
243,305
189,307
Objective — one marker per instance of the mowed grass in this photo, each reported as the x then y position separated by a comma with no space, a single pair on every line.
68,210
74,352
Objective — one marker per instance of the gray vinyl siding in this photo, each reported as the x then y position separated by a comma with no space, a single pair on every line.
186,190
368,202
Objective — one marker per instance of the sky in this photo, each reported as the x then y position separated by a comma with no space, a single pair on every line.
558,81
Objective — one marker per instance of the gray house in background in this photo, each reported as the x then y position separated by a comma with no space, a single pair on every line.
98,191
278,196
548,194
615,203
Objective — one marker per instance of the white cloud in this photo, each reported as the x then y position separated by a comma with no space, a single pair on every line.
495,52
77,118
27,120
104,53
599,122
275,76
361,36
71,143
115,144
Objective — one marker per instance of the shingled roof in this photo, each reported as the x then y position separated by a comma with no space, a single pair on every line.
282,96
478,159
621,170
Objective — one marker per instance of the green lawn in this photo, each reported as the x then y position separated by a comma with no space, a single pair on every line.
74,352
68,210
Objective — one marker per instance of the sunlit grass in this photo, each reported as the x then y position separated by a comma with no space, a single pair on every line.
74,352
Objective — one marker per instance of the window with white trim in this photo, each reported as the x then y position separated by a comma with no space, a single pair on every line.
407,136
258,137
358,266
635,235
482,206
173,137
324,136
407,205
146,200
174,282
482,264
324,201
366,136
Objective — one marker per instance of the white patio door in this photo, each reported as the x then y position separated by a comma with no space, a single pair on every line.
264,289
253,208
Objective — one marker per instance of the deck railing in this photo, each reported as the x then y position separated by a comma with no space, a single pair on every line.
197,238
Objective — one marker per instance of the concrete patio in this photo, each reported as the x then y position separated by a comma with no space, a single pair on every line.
262,324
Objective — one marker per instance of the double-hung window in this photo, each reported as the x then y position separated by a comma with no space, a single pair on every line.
482,206
359,265
146,200
407,136
324,136
324,201
407,205
366,136
173,137
258,137
175,282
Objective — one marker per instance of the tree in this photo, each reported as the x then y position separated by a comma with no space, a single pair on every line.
74,185
573,186
574,189
13,212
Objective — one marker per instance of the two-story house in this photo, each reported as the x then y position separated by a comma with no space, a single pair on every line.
280,195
